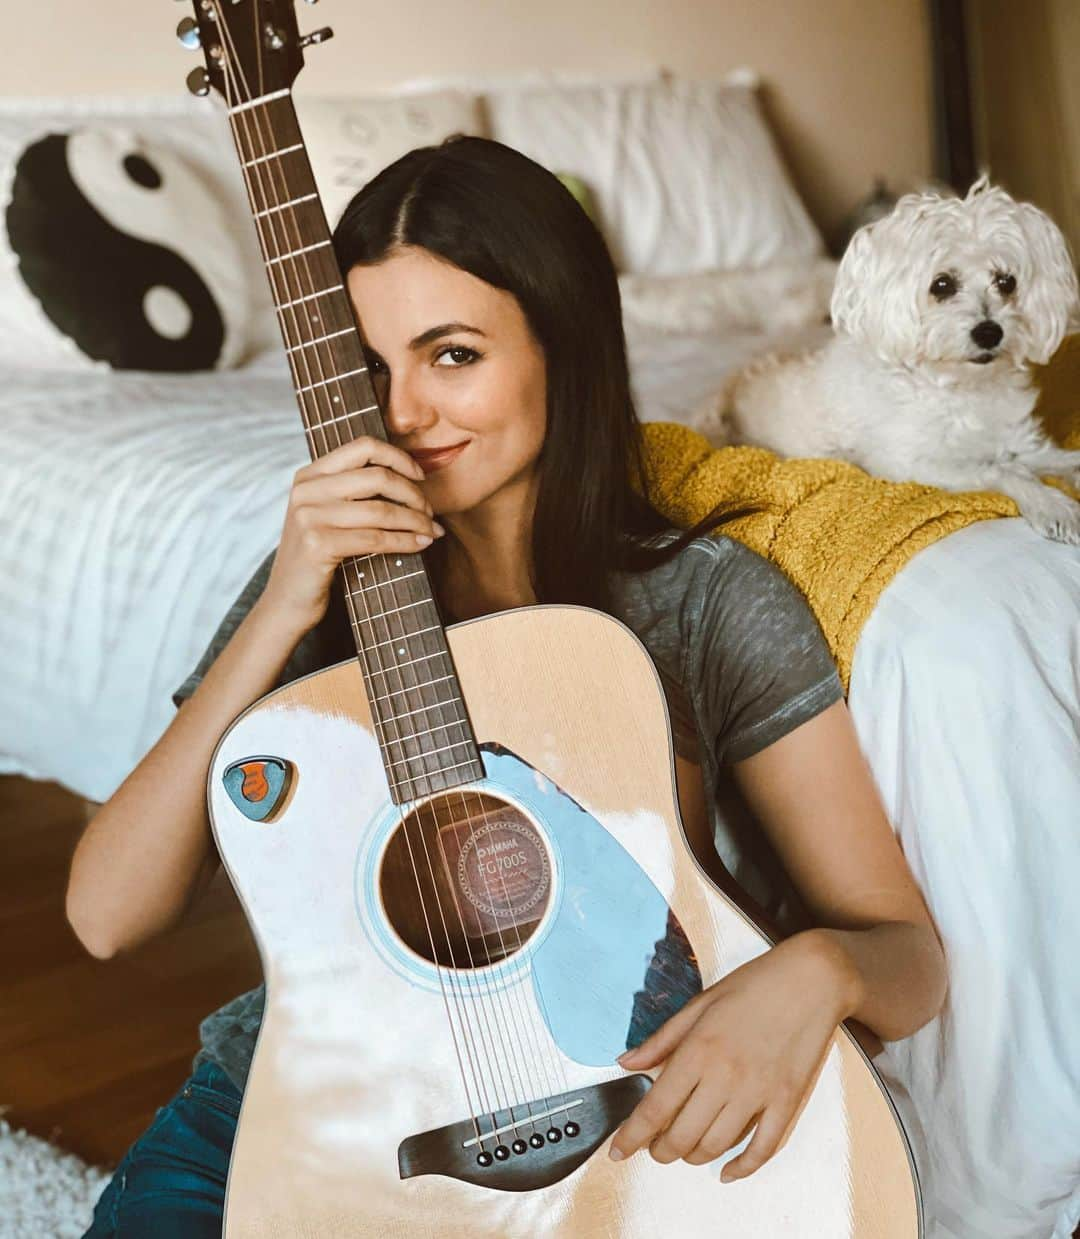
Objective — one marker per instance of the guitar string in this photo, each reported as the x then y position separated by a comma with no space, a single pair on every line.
527,1059
231,59
528,1022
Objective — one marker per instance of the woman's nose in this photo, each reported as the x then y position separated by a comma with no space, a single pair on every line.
405,409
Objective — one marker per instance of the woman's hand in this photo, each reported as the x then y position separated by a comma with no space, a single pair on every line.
745,1050
360,498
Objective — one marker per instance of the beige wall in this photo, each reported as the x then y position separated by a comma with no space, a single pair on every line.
847,81
1026,61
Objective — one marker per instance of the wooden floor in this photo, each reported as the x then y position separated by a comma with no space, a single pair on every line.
89,1049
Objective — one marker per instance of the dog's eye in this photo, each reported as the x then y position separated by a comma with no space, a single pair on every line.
943,287
1005,283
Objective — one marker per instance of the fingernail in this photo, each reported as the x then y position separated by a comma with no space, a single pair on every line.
438,528
725,1177
423,539
624,1054
615,1155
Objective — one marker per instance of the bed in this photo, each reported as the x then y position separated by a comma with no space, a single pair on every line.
136,504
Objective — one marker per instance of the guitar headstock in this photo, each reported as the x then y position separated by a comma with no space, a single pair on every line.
252,48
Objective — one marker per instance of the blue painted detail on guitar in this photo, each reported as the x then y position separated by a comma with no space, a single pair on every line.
609,960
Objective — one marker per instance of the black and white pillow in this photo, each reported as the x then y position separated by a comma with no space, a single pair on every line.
120,255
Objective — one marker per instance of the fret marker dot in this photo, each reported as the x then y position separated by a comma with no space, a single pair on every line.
397,563
314,318
337,400
401,651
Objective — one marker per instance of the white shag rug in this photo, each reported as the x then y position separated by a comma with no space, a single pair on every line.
45,1192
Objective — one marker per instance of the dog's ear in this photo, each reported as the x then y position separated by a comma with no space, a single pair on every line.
1050,296
875,297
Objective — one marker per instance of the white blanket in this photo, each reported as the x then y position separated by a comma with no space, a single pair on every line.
135,506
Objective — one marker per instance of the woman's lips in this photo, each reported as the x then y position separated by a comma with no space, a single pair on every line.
430,461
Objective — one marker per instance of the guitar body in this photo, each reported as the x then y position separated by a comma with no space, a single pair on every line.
604,924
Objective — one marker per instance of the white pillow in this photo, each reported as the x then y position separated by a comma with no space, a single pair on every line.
685,175
350,139
776,298
212,224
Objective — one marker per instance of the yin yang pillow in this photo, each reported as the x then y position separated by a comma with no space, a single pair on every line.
120,256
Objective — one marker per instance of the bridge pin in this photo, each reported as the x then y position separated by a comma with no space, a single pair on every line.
571,1129
484,1158
519,1146
554,1135
536,1140
501,1152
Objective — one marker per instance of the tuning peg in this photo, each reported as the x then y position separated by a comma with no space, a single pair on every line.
188,34
317,36
198,81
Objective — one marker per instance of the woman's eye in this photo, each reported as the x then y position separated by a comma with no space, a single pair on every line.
375,365
943,287
1005,283
459,354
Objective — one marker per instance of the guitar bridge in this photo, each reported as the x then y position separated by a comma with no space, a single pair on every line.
526,1146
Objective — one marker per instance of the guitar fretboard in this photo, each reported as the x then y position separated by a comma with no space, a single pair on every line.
420,717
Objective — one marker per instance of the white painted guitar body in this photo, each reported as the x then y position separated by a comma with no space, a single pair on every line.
355,1054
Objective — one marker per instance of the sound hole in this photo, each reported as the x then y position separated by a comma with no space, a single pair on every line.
465,880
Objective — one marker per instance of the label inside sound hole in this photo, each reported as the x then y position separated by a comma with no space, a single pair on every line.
498,869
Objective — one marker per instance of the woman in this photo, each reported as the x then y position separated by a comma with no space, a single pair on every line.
489,312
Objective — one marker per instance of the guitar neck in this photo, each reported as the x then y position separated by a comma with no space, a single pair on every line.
417,706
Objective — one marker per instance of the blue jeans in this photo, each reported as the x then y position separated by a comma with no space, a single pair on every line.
171,1183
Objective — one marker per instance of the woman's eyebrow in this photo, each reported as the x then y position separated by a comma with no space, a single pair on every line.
443,329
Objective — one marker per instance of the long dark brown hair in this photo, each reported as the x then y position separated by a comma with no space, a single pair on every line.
493,212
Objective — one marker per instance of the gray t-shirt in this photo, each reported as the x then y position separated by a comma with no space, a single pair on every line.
742,660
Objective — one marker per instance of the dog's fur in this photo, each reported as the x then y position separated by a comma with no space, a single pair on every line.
904,389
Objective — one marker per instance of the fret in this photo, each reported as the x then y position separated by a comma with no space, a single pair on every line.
460,765
394,610
431,752
296,253
396,668
320,339
399,714
329,421
283,206
285,150
334,288
370,589
408,636
430,731
396,692
335,378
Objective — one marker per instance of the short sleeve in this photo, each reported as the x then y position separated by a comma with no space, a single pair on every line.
763,665
327,643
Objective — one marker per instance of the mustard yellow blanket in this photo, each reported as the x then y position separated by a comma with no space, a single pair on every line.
839,534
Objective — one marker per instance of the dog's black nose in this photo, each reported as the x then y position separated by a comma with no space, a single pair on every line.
987,334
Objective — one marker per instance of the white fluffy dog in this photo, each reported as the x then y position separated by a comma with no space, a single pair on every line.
939,309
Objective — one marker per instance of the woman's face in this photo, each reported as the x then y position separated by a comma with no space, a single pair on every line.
454,362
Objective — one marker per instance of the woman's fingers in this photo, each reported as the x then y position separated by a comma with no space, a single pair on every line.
771,1128
376,514
729,1127
365,483
654,1111
689,1126
356,453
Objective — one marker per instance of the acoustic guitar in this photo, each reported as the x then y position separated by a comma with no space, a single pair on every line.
462,857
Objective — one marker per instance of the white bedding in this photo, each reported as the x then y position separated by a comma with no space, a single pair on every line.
135,506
